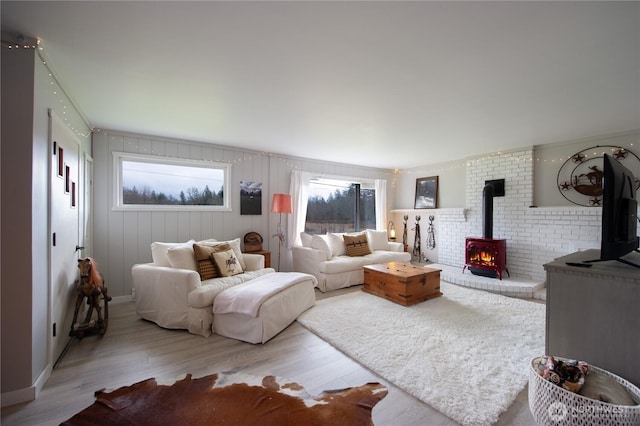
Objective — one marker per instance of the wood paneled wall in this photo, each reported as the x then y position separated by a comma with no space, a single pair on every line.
123,238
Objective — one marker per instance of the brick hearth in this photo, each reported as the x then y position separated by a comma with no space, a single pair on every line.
508,286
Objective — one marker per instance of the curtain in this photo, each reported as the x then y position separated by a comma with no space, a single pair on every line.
381,204
299,196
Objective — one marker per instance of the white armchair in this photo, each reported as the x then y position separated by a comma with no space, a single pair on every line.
175,296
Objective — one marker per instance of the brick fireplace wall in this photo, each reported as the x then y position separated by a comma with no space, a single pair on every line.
535,236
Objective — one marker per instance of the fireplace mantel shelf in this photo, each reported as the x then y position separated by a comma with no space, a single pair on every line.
452,214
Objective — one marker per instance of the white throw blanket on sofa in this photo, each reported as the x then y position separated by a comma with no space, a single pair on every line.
246,298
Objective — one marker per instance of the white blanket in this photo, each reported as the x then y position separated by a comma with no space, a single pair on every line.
246,298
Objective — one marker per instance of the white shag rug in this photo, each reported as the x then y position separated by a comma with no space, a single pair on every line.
465,353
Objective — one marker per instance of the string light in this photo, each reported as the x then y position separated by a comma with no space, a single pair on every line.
292,164
594,141
134,143
55,88
59,93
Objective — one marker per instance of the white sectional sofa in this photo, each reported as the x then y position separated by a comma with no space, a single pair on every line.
326,258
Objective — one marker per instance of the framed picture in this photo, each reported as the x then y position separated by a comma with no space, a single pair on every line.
426,193
250,198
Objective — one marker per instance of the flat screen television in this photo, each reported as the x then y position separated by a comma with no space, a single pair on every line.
619,212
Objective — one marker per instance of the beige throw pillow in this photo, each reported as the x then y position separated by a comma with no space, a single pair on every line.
356,245
321,242
305,239
336,242
182,257
377,240
227,262
159,251
235,245
207,268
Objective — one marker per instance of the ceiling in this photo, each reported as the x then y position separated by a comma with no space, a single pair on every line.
381,84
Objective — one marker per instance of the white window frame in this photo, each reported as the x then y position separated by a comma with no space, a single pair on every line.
365,183
118,205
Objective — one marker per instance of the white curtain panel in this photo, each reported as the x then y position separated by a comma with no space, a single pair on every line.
299,191
381,204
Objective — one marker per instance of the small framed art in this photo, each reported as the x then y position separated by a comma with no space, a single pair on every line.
250,198
426,193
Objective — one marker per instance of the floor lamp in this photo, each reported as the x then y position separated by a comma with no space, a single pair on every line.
281,204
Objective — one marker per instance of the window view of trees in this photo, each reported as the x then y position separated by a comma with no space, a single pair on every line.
155,183
191,197
347,209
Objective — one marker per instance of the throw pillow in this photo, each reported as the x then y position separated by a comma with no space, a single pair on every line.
159,252
227,262
182,257
377,240
336,242
207,241
207,268
356,245
321,242
235,246
305,239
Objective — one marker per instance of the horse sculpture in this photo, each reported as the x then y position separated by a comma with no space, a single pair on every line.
90,285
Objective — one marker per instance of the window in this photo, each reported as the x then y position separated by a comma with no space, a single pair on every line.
145,182
340,206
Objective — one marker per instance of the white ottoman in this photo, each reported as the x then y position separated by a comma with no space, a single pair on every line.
257,310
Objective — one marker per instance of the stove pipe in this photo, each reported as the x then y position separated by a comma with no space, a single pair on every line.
487,211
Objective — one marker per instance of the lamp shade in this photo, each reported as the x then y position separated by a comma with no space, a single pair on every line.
281,203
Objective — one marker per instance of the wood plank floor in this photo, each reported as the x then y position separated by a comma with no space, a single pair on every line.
134,350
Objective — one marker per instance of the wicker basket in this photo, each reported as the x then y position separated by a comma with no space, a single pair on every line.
552,405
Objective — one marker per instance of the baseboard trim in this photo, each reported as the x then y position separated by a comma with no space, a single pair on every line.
122,299
18,396
30,393
26,394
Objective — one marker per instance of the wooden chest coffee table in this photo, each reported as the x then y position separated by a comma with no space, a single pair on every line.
403,283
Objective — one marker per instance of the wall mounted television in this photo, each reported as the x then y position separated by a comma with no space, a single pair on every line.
619,213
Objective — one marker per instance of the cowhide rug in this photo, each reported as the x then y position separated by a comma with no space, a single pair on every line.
229,399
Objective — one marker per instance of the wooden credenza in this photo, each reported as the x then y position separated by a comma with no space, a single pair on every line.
593,314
